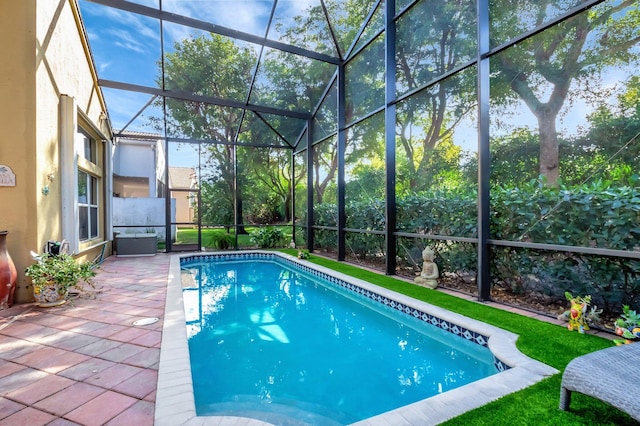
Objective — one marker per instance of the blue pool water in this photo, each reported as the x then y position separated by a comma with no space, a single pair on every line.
274,342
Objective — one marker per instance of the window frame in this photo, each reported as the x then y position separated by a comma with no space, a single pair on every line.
94,186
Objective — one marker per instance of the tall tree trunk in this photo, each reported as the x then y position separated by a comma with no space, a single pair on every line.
287,207
546,114
549,147
240,228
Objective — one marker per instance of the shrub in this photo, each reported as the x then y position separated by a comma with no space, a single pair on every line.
592,215
268,237
221,241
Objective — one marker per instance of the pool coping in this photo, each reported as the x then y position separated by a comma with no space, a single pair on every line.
175,403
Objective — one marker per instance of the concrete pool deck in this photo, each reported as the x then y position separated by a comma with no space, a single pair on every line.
86,363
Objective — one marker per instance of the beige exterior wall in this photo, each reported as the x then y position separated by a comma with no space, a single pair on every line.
184,209
45,57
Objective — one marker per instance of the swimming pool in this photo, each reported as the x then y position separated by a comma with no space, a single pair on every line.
175,402
277,341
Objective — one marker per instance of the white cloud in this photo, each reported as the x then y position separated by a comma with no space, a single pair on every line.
249,16
126,40
102,67
136,30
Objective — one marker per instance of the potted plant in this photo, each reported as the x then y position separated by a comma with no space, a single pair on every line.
53,275
627,326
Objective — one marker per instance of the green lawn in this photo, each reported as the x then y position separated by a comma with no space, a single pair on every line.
190,236
551,344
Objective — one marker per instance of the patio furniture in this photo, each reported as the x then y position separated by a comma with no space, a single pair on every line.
141,244
610,375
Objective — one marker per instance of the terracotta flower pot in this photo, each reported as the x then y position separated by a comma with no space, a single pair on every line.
8,274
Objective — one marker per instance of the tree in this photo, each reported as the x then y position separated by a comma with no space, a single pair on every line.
433,38
312,29
545,66
612,143
191,68
214,212
608,150
271,176
365,160
514,158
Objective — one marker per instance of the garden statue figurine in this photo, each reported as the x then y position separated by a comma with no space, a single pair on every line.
577,314
429,275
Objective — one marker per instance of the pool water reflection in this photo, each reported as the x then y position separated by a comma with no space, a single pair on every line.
271,340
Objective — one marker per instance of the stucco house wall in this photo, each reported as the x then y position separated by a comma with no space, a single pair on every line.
134,159
182,182
138,165
47,87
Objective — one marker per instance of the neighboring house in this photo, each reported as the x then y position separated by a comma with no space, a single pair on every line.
139,186
138,165
55,135
182,183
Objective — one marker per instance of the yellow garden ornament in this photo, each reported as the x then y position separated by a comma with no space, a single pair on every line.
578,316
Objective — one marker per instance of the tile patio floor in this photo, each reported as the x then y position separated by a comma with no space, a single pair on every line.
85,362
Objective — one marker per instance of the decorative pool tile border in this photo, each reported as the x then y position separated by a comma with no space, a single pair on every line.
453,328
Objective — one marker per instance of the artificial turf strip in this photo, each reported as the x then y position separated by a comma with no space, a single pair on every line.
548,343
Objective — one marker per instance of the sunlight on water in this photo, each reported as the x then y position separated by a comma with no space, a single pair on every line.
265,338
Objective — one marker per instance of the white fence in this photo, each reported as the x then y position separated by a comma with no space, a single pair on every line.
139,215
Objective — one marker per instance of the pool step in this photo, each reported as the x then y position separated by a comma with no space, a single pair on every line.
294,414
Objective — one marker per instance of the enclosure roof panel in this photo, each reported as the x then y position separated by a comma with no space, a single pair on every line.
267,57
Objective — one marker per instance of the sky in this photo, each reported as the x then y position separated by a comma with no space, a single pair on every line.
126,48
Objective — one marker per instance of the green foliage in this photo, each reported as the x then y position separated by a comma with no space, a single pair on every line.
221,241
61,269
364,245
594,215
268,237
216,203
439,212
303,254
265,212
208,235
514,158
368,214
628,323
325,239
325,214
367,184
267,190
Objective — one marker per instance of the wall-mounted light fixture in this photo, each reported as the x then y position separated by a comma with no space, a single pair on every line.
50,177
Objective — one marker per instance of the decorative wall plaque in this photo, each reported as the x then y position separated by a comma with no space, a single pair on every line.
7,177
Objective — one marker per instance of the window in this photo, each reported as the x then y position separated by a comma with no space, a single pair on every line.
88,150
87,205
88,186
